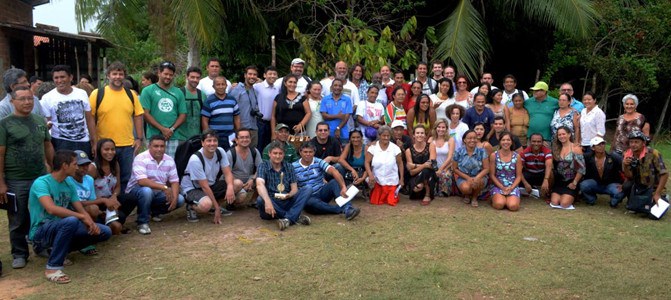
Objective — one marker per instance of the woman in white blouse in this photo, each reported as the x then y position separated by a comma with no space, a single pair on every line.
592,122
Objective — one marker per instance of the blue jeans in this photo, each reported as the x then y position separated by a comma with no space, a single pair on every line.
289,209
63,236
590,188
151,203
319,200
125,157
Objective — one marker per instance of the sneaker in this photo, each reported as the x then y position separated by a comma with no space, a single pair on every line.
224,212
191,214
304,220
143,229
112,217
19,263
351,212
283,224
157,218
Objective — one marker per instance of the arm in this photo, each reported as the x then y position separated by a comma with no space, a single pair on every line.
450,153
338,178
205,186
455,169
3,185
273,122
646,129
410,120
139,129
90,124
368,159
48,203
146,182
48,154
180,120
432,117
576,125
518,172
545,187
236,122
228,176
399,164
660,186
506,117
485,169
492,171
306,118
172,194
263,193
343,160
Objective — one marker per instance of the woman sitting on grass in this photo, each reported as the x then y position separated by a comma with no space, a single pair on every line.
470,166
569,168
505,171
479,129
420,158
353,158
384,166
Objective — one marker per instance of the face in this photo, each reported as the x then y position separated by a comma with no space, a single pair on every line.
562,136
487,78
498,97
506,142
276,155
398,78
250,77
210,144
589,101
509,84
462,85
71,168
213,69
479,131
629,106
84,80
307,154
484,90
166,76
385,137
244,138
357,73
271,76
455,115
355,138
290,84
449,73
376,78
157,149
372,95
445,87
479,102
35,85
297,69
416,88
283,134
518,102
108,151
441,129
385,72
498,125
144,81
566,88
24,102
341,69
536,142
424,104
220,86
635,145
600,148
564,101
316,91
336,88
398,132
82,170
192,79
437,69
539,94
322,132
471,140
420,134
399,96
116,77
421,71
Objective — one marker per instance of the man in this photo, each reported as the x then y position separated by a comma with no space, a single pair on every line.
449,72
25,147
499,126
201,183
281,136
221,113
387,81
567,88
69,111
479,114
327,148
603,175
213,69
437,70
399,80
348,89
485,78
510,89
154,184
376,80
279,196
336,110
310,173
429,86
541,108
53,225
165,108
244,162
35,82
118,113
248,103
297,67
537,165
194,102
644,167
403,142
12,79
266,92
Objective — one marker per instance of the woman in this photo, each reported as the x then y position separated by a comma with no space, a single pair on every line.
569,168
353,158
479,129
356,77
495,97
420,157
566,116
290,108
592,122
444,98
626,123
422,114
384,167
415,91
369,115
395,110
457,128
470,166
86,78
505,171
444,145
463,96
314,101
484,89
518,118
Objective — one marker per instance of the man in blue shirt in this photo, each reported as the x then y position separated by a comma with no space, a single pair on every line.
336,109
310,173
248,103
567,88
479,114
221,113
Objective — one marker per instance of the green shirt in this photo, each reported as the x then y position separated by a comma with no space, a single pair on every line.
290,154
23,139
165,106
191,126
540,116
62,193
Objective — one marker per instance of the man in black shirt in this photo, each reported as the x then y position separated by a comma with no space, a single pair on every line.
327,147
404,142
499,126
603,175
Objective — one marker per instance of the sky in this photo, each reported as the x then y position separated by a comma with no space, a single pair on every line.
59,13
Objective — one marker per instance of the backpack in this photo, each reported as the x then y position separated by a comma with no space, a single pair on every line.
234,157
199,94
101,95
184,152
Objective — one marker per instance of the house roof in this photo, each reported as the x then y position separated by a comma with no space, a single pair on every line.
34,3
44,32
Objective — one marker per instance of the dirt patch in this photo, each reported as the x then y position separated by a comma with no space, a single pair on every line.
14,289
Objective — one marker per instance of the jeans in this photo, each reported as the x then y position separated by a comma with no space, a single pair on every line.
125,157
151,203
19,221
60,144
338,168
590,188
65,235
264,134
319,200
290,209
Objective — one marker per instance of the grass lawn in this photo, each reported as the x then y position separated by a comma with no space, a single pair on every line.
443,251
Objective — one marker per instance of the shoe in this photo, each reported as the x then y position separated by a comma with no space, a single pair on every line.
157,218
351,213
19,263
224,212
143,229
113,217
191,215
41,252
303,220
283,224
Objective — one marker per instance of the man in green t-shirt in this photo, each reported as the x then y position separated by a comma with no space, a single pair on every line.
164,108
282,136
25,146
541,108
194,102
53,225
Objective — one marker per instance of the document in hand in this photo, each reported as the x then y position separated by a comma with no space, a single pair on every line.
351,192
660,209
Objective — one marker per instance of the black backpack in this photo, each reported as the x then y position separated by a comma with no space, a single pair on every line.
234,157
185,150
101,95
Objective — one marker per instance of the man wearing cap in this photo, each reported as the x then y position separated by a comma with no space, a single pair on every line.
297,67
403,142
541,108
644,167
206,84
567,88
603,175
281,136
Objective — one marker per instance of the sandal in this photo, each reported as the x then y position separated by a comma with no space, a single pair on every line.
474,203
418,188
466,200
426,201
89,250
67,262
58,277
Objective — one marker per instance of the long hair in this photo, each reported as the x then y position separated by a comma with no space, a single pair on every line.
99,158
417,109
283,89
557,145
434,132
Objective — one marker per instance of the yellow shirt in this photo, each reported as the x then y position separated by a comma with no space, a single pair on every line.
115,115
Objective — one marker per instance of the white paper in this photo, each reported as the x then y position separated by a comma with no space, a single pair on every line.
560,207
659,209
231,138
535,193
351,192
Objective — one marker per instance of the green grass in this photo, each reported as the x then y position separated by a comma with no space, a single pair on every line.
446,250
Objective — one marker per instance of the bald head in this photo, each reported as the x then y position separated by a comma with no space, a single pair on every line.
341,70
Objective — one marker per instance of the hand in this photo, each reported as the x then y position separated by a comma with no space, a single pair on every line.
230,195
371,181
3,192
217,215
545,187
92,227
572,186
527,187
343,192
171,201
355,175
136,146
269,209
248,185
112,203
337,133
93,149
627,160
297,128
166,132
358,181
656,196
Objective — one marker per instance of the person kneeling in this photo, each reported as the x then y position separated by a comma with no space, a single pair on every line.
603,175
505,170
201,182
53,225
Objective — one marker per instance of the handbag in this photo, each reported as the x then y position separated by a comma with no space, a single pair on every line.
640,199
371,133
297,140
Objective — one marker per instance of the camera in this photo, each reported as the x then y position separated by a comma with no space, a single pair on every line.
634,163
256,113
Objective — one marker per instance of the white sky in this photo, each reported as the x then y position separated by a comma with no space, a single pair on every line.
60,13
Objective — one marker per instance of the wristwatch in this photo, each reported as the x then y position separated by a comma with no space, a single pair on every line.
172,129
165,187
337,127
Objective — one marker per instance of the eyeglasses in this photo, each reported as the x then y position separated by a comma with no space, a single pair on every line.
566,90
461,82
24,99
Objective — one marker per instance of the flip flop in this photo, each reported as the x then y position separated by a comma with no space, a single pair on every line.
474,203
58,277
89,251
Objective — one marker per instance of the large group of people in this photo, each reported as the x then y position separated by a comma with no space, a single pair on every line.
72,170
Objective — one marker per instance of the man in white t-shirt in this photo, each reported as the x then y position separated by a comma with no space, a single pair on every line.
510,89
486,78
68,109
297,67
387,81
206,84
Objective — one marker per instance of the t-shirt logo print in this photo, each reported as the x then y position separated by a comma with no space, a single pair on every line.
165,105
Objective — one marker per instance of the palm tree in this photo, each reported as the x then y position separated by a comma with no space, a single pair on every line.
463,36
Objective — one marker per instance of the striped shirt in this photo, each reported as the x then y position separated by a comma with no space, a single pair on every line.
272,177
311,175
535,163
146,167
221,112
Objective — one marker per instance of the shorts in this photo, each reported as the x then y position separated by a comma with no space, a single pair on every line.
218,189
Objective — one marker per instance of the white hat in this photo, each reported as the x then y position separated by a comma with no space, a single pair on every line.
297,61
596,140
397,123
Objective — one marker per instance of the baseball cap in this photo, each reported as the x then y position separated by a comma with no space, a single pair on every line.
540,86
637,134
280,126
596,141
82,158
297,60
397,123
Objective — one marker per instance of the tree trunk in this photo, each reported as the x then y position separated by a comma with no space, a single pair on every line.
425,50
193,58
660,122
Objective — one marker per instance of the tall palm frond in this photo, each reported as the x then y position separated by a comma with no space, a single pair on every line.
574,17
201,19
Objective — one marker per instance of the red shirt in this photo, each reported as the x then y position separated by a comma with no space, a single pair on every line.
390,89
535,163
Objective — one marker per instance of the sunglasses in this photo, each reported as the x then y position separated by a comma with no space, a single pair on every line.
168,65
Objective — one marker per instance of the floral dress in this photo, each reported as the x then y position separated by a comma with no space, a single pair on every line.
559,121
506,172
566,169
624,128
